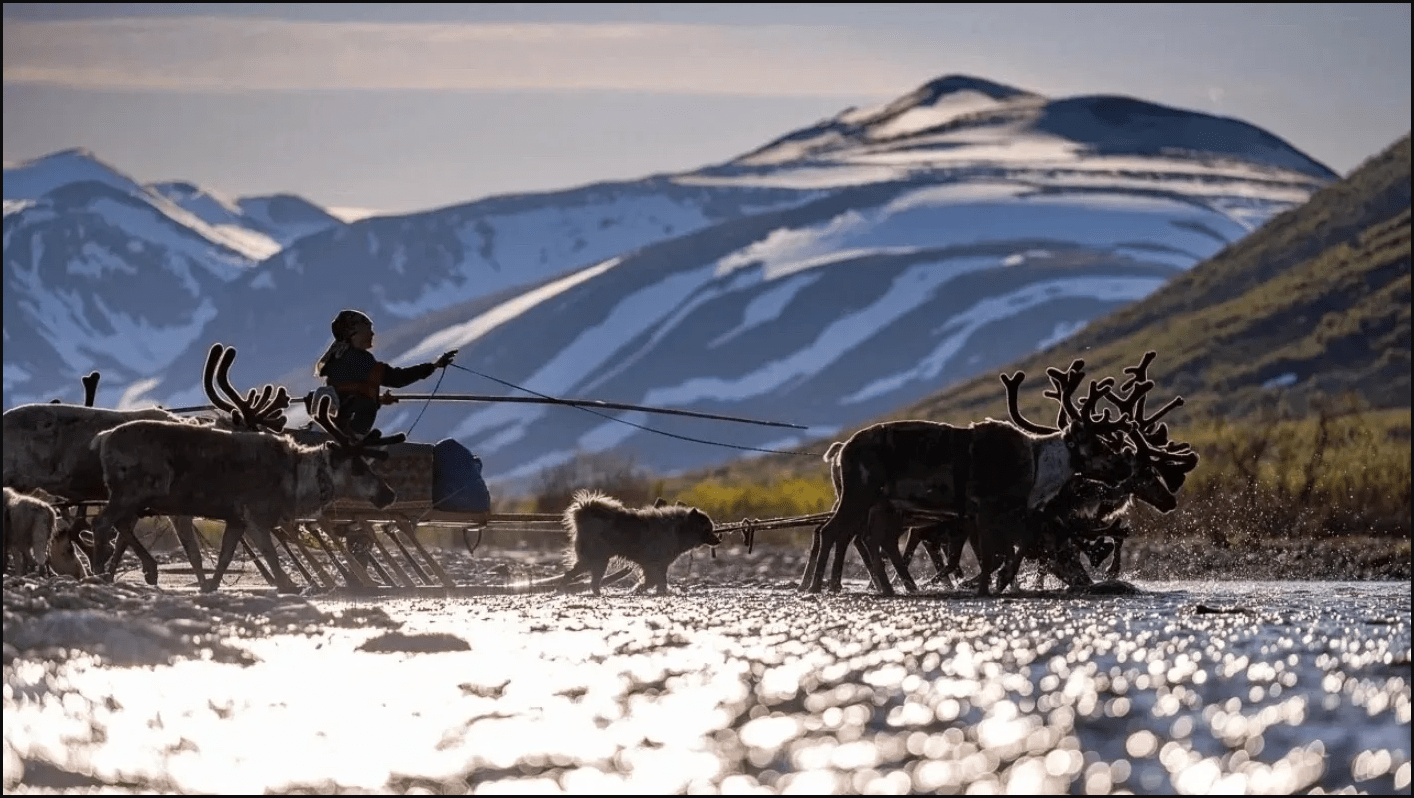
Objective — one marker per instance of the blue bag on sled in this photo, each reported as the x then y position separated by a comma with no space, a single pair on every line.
457,485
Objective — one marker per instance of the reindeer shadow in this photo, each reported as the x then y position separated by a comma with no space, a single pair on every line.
1105,589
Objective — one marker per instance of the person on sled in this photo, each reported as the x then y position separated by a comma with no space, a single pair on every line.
349,367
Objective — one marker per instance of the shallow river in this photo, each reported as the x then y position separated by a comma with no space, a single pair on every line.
1185,688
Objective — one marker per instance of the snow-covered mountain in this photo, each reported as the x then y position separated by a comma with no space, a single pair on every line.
839,272
283,218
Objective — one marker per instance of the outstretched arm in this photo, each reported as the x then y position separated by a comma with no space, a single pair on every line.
403,377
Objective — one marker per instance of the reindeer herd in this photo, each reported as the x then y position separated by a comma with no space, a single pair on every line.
238,467
1010,490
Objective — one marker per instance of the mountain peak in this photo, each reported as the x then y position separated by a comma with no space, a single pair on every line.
938,88
35,178
71,154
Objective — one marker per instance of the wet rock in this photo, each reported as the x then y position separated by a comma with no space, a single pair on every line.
415,643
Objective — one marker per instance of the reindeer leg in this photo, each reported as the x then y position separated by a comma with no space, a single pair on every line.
917,536
886,531
871,559
105,539
229,538
994,543
123,536
899,561
812,563
1118,533
839,551
186,533
108,566
877,525
957,538
926,536
127,536
1016,542
828,532
1115,562
1070,569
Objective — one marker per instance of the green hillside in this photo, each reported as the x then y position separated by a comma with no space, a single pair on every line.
1320,295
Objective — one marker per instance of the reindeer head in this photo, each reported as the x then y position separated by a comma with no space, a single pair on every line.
351,473
1162,464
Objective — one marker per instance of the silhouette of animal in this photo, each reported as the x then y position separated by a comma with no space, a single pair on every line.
602,530
901,472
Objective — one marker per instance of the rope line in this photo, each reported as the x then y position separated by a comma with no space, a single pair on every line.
639,426
428,402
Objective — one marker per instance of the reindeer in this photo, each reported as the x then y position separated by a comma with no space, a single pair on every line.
253,481
263,411
47,447
1089,516
1096,516
992,471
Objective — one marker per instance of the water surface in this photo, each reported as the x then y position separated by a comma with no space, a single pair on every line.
1187,687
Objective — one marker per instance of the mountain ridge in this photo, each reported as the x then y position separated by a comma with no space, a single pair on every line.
828,287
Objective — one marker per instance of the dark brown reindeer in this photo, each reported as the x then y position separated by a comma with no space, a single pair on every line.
894,473
1089,516
1096,517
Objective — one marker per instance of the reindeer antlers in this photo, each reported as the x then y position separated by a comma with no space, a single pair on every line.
1013,387
1066,383
352,445
265,410
90,388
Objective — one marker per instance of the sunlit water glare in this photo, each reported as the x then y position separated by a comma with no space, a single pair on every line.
1187,688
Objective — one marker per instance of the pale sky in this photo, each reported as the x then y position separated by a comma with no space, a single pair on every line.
412,106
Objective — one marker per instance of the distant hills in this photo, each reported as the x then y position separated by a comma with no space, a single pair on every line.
834,275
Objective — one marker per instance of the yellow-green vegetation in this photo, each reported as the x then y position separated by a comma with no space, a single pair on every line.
787,498
1339,471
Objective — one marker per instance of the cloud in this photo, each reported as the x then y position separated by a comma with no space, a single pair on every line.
213,54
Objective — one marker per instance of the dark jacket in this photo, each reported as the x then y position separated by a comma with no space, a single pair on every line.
358,376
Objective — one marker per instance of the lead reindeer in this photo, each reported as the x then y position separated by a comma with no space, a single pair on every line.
253,481
991,471
1088,516
1095,517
